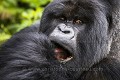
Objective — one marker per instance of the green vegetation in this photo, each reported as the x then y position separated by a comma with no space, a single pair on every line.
18,14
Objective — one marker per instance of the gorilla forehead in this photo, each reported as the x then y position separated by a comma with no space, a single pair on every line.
79,7
82,3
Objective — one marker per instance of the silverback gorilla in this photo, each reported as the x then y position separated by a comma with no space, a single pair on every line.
75,40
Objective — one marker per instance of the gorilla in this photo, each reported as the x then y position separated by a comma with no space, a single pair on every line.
75,40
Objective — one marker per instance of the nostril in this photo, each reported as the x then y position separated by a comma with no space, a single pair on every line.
66,32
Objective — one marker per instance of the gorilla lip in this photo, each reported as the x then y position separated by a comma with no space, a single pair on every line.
62,54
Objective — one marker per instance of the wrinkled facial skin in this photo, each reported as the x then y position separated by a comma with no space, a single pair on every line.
81,28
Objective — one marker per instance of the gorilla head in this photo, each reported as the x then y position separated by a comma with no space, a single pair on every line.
79,29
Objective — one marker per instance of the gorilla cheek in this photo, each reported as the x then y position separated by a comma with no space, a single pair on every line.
92,47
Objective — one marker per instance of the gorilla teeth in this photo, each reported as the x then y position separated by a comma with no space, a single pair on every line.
66,60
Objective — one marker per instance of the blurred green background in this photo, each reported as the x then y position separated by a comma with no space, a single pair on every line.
18,14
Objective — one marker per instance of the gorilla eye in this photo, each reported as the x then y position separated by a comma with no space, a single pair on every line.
62,18
78,21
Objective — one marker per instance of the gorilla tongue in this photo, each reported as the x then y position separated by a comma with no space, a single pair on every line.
61,54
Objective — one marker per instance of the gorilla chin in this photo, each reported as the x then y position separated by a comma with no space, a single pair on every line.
75,40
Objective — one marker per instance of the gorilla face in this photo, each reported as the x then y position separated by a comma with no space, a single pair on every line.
75,38
79,32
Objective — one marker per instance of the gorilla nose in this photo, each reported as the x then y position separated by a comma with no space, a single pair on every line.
65,29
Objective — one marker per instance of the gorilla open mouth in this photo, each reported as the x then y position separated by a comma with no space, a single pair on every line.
61,53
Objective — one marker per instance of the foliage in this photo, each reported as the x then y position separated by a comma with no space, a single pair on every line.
18,14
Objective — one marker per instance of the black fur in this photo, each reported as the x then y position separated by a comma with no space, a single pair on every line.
29,54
